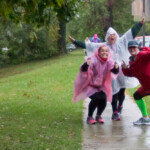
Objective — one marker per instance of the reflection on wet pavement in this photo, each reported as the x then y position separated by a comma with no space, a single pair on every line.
116,135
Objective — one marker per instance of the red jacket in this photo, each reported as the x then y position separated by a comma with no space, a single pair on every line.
140,68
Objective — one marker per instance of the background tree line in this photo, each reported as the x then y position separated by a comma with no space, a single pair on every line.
27,43
38,29
96,16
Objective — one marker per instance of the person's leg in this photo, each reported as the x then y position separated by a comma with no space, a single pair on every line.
102,102
121,97
115,115
114,102
138,96
140,103
91,108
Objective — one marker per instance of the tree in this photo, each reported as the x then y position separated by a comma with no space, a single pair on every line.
65,13
95,17
37,12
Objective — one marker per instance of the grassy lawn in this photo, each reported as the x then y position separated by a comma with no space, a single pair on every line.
36,108
37,112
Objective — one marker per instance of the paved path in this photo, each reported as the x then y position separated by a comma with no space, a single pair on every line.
116,135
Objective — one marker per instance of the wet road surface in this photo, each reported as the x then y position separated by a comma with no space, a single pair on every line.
116,135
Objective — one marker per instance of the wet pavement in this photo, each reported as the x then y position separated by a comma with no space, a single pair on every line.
116,135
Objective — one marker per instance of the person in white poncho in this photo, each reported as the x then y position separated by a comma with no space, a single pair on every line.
119,52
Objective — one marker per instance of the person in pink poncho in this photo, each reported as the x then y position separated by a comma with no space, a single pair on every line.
94,81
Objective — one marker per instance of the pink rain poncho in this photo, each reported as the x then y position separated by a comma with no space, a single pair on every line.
97,78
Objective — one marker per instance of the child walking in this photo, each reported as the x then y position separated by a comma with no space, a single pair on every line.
94,81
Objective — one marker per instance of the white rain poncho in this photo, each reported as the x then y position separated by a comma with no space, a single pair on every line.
119,53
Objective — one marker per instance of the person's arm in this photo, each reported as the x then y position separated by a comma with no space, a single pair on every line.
145,53
80,44
84,67
77,43
127,72
137,27
115,70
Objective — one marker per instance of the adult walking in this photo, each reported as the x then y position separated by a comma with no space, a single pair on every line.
138,67
119,51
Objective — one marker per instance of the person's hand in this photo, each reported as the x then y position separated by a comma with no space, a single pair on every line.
123,65
116,66
89,62
71,39
143,19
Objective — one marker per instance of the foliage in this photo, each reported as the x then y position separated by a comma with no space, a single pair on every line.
37,13
29,44
3,43
30,11
88,21
26,43
123,20
66,10
94,17
147,29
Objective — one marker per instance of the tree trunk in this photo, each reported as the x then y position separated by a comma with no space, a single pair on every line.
111,16
110,8
62,39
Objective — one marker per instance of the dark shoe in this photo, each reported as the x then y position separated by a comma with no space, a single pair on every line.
99,119
90,120
115,116
120,109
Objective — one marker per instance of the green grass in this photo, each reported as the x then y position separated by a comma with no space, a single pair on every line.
147,98
36,108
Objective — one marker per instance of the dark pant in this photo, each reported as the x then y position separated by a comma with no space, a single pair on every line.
118,99
140,93
137,96
98,100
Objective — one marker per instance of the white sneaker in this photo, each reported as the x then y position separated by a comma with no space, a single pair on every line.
142,121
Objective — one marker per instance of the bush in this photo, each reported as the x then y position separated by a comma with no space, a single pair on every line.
26,43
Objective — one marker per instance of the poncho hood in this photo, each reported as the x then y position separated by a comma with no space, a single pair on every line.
97,78
109,32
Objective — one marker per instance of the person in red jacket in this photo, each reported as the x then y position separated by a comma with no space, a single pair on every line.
139,67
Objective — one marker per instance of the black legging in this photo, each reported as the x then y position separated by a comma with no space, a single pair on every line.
118,97
97,100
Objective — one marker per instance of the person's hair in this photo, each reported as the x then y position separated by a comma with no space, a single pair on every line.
101,47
